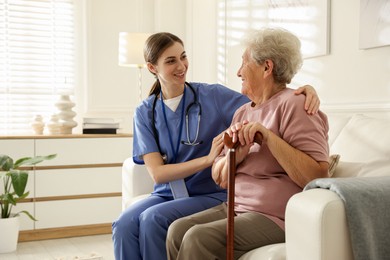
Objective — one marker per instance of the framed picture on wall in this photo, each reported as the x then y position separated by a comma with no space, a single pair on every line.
374,23
308,19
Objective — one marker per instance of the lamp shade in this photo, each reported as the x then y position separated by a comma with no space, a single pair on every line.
131,49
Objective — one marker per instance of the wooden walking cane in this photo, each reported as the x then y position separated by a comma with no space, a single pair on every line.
231,160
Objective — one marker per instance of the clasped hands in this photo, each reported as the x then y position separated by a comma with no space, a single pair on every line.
242,136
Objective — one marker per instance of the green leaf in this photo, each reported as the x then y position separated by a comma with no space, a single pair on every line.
33,160
27,213
9,199
19,181
6,162
15,182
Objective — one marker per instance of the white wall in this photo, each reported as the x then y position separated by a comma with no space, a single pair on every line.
347,78
111,90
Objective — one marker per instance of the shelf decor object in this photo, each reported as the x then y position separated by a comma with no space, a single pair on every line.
66,114
37,124
131,53
54,125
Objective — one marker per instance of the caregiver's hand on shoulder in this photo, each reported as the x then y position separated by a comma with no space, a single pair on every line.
312,101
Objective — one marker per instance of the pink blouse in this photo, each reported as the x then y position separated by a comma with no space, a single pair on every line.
261,183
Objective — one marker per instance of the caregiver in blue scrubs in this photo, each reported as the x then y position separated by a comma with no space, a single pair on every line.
177,134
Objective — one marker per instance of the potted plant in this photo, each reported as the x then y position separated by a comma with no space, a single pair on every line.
14,181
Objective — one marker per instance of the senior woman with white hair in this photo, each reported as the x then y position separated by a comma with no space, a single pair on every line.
293,151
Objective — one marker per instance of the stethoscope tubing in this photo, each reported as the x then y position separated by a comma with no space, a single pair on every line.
193,143
188,141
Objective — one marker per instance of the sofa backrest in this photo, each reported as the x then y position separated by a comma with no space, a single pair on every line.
364,146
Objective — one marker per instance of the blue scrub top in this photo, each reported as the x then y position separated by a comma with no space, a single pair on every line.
218,105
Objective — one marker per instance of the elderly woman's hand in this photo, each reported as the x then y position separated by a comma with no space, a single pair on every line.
251,132
247,132
312,102
243,148
234,130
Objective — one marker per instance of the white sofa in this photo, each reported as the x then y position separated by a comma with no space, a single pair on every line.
316,225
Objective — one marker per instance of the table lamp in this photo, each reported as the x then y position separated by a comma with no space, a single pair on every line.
131,53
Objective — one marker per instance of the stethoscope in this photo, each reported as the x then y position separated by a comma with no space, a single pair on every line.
195,103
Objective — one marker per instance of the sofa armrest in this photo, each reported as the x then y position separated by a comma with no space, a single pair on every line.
316,227
136,182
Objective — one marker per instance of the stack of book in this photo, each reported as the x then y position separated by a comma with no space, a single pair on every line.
100,125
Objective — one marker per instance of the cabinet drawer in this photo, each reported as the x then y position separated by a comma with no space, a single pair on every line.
78,181
25,222
77,212
17,149
81,186
71,151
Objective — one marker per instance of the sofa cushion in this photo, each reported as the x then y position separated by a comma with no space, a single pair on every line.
347,169
336,124
363,139
269,252
372,168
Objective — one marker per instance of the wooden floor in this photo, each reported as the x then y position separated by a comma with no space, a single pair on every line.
97,247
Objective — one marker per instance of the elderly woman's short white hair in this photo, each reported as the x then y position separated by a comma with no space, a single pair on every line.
278,45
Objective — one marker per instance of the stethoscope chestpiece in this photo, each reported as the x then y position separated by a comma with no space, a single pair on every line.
191,144
165,158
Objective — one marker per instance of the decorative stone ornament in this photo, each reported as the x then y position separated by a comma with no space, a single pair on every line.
38,125
66,114
54,125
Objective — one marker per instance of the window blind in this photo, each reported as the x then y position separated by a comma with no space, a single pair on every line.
37,60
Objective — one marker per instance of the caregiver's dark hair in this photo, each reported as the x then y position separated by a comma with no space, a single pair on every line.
155,45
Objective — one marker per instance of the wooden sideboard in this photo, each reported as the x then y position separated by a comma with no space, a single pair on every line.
77,193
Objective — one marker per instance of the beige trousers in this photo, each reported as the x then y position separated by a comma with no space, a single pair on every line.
203,235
